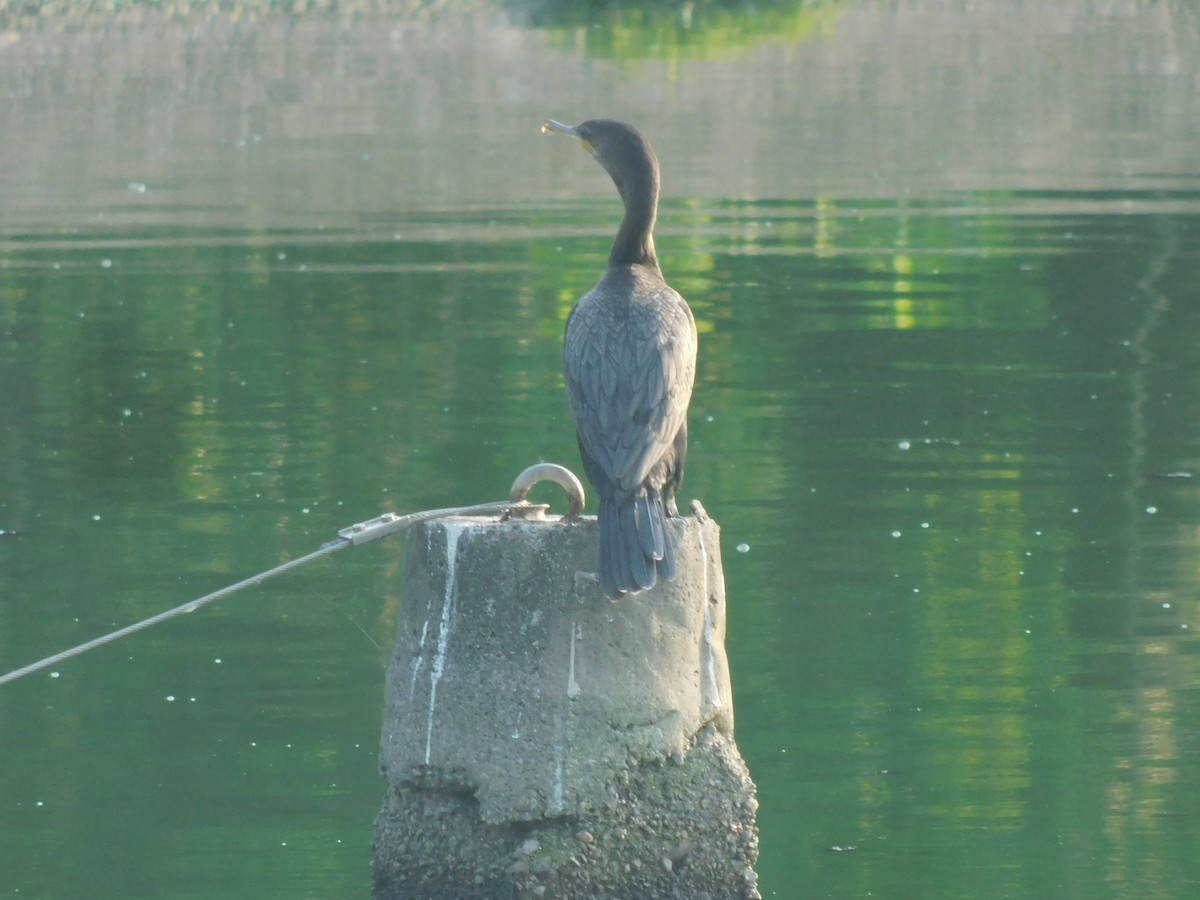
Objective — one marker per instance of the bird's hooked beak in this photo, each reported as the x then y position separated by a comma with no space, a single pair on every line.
570,130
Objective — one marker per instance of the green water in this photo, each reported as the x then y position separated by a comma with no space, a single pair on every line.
261,281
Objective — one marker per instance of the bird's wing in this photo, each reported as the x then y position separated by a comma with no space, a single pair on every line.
629,379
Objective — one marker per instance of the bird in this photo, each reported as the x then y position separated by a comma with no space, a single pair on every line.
629,360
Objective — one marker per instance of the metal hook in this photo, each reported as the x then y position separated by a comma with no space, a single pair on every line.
560,475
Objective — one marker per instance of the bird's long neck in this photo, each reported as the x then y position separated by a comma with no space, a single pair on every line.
634,244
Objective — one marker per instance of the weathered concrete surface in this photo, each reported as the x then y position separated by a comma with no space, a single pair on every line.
541,740
514,676
679,829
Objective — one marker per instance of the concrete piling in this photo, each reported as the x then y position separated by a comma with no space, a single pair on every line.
540,740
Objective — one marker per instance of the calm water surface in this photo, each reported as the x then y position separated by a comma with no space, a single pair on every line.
259,281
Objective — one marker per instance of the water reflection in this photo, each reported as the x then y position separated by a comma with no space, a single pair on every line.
263,279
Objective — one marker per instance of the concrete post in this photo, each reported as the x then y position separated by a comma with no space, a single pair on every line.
540,740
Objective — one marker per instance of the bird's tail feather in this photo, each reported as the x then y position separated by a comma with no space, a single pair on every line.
667,567
635,547
648,516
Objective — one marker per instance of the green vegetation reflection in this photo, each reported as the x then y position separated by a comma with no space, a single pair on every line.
681,30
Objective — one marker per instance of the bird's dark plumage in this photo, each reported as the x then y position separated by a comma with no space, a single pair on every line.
629,357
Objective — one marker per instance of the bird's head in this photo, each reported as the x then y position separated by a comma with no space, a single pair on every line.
620,148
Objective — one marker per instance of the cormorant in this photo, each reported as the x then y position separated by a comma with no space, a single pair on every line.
629,355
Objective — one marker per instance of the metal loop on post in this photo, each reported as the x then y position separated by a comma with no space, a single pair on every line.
560,475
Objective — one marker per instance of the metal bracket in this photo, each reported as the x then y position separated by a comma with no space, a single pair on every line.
373,529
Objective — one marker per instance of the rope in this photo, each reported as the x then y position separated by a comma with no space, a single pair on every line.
194,605
359,533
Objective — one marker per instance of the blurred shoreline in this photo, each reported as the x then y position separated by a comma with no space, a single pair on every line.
243,115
